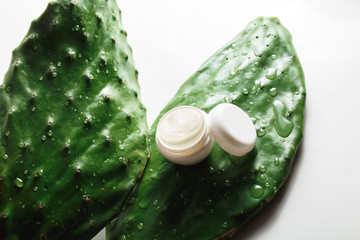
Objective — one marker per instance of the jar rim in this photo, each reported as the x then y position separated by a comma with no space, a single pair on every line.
199,140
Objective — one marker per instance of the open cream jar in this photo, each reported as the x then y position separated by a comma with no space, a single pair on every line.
185,135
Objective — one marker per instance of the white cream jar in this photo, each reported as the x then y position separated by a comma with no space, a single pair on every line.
185,135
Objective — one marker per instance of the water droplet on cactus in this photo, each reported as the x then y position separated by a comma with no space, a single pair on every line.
276,162
155,202
232,74
35,188
50,133
257,54
271,74
273,92
267,184
7,133
227,183
209,202
25,171
33,109
19,182
56,9
261,132
121,147
282,125
253,90
173,232
43,138
254,70
245,91
262,169
143,205
274,57
140,226
262,177
257,191
224,225
123,237
5,157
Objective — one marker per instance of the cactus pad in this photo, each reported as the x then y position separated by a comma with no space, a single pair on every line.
258,71
73,130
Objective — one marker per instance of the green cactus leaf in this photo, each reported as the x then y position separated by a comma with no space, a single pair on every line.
258,71
73,130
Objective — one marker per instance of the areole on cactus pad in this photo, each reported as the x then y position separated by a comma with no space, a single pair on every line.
258,71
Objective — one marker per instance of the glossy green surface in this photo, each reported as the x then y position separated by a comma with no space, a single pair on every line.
73,130
258,71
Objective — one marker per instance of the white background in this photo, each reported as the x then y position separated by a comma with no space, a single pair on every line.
171,39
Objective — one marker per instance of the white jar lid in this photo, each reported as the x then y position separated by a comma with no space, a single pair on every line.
232,129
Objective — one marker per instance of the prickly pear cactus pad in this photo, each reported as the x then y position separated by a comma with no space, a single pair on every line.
73,130
258,71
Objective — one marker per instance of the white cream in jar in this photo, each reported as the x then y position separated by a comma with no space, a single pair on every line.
183,136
